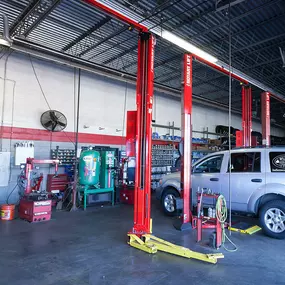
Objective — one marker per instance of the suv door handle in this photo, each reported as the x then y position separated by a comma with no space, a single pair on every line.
214,179
258,180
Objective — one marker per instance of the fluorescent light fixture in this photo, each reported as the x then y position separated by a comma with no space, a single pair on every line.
4,42
187,46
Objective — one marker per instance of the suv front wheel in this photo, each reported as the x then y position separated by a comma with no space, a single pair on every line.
168,201
272,219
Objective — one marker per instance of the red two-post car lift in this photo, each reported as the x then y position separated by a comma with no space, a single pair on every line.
140,235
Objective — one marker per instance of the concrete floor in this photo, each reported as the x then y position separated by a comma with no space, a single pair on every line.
90,248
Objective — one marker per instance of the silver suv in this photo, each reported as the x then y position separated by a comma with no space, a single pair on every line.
257,184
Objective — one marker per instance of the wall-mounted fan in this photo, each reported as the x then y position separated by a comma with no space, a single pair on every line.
53,121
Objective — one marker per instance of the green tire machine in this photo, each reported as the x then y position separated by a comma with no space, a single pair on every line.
96,173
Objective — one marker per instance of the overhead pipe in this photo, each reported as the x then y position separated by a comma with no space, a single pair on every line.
5,40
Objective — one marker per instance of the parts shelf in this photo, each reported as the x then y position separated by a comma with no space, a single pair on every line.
65,156
163,159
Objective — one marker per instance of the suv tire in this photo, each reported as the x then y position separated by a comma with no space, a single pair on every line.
168,201
272,219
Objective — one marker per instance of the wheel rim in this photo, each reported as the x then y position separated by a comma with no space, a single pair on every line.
275,220
169,203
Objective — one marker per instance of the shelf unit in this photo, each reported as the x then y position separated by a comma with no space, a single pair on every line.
65,156
164,155
197,154
165,152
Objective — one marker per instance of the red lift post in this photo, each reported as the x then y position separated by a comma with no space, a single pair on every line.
144,100
145,76
265,118
246,115
186,140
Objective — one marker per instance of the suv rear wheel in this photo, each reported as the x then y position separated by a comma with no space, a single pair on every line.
168,201
272,219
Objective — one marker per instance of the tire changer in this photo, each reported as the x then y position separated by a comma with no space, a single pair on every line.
35,204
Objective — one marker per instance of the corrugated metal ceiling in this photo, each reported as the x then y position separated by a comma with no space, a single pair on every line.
76,28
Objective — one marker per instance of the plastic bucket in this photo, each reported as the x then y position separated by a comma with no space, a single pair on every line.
7,212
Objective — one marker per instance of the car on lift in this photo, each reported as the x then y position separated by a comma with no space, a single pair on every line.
254,181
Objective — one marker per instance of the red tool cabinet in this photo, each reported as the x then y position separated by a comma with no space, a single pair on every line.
57,182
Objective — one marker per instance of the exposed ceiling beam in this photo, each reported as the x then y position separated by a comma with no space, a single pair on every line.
24,14
259,50
282,53
244,31
123,53
210,92
235,19
195,78
43,12
187,19
210,80
114,34
262,63
32,16
175,57
224,4
87,33
158,9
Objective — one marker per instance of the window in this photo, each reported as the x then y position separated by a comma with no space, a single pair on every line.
245,162
210,165
277,161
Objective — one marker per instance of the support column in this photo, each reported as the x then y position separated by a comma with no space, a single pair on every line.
145,77
186,140
265,118
246,115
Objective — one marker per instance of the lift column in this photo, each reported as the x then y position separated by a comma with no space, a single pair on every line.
186,140
145,76
265,118
246,115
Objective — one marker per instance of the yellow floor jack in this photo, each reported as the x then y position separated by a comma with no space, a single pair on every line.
152,244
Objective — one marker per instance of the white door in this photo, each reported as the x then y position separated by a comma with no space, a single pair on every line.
206,174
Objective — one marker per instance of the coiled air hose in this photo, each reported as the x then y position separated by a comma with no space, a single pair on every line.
222,215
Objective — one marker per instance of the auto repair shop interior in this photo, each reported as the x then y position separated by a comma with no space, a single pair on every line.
142,142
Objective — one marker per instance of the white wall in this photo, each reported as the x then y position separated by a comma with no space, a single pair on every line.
101,104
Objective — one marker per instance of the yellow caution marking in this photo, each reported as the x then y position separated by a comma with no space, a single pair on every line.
249,231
